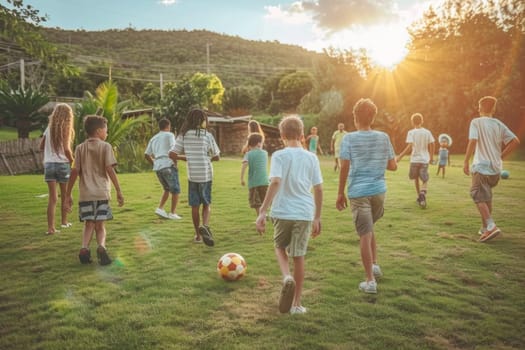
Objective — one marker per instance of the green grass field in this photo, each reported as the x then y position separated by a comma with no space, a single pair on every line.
441,289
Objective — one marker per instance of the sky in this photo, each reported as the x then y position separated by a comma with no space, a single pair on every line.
376,25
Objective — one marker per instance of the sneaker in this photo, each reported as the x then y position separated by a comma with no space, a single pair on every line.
174,216
161,212
102,256
296,310
195,240
68,225
206,235
481,230
368,287
84,256
489,234
287,294
422,200
376,270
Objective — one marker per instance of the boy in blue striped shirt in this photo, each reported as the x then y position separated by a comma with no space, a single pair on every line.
364,156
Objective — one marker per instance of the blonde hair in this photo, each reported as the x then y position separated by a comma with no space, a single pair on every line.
487,105
61,127
364,111
416,119
291,127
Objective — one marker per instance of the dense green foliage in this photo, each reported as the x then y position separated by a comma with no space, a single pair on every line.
21,108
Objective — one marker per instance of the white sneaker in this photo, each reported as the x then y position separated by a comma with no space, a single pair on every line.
368,287
376,270
287,294
161,212
296,310
174,216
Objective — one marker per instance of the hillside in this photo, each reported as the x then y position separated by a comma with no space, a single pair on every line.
145,54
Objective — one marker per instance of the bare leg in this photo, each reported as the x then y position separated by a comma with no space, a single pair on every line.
89,227
163,199
365,242
63,211
100,230
373,247
206,209
298,275
484,209
416,182
282,259
51,205
196,220
174,202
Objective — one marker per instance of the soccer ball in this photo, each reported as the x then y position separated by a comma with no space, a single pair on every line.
504,174
231,266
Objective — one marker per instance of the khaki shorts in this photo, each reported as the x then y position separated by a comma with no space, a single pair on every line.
256,196
366,211
292,235
481,189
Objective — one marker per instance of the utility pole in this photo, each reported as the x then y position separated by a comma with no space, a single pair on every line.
109,73
208,58
22,74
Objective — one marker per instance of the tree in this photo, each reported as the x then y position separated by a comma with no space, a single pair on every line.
292,88
21,107
209,88
238,101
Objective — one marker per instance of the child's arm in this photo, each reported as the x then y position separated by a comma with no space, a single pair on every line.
405,151
391,165
318,199
509,147
215,158
70,184
243,169
468,153
320,149
42,144
66,145
341,201
110,170
268,199
149,158
431,147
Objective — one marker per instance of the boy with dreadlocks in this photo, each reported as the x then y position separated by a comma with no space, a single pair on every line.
200,149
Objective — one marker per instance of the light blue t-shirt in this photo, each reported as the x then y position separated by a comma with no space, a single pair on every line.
368,153
159,146
491,135
299,171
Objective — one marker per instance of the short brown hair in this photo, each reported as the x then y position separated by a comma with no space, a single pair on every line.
164,123
254,138
364,111
487,104
291,127
94,122
417,118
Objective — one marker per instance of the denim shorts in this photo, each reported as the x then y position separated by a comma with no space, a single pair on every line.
199,193
58,172
169,179
418,170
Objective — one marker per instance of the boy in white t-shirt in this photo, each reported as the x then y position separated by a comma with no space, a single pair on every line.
489,141
296,213
421,142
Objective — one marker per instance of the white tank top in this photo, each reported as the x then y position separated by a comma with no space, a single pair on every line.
50,156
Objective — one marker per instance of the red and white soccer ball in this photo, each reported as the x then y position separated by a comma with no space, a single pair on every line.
231,266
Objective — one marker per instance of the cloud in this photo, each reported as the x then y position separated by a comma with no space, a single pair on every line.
337,15
168,2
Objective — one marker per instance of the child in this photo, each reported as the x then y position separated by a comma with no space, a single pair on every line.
445,142
421,141
365,154
94,165
490,141
312,141
166,169
253,127
335,146
256,160
56,144
200,149
295,213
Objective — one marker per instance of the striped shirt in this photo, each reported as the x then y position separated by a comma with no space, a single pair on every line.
198,150
368,153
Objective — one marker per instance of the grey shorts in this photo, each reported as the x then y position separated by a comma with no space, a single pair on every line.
94,211
418,170
481,189
366,211
292,235
169,179
58,172
256,196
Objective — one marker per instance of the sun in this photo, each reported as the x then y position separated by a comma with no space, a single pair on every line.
386,46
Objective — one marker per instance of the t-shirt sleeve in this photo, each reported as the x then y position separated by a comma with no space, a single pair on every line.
473,131
276,167
148,149
178,146
344,152
317,176
213,148
109,155
410,137
508,135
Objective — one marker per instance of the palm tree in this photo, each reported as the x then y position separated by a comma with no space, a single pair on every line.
21,106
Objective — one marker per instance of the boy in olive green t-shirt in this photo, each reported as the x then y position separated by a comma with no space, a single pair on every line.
256,160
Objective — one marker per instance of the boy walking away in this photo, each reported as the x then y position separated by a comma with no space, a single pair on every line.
335,146
256,160
157,153
94,165
490,141
365,154
198,147
296,213
421,142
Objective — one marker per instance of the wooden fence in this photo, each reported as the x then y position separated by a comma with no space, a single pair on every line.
21,156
